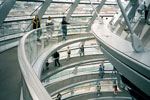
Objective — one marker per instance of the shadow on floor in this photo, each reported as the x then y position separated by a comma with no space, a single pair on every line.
10,76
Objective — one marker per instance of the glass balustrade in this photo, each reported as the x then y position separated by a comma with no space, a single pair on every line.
75,52
80,69
36,42
35,48
13,28
137,20
87,87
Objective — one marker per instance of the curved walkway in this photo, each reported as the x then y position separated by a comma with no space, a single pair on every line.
10,76
135,66
104,96
71,61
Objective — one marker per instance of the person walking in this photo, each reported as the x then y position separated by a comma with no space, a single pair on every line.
64,28
115,89
50,23
56,58
81,50
59,96
68,52
37,24
101,71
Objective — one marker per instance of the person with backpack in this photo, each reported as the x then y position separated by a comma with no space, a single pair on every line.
56,58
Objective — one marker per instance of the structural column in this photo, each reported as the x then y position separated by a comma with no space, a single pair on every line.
44,7
95,14
4,10
136,42
73,7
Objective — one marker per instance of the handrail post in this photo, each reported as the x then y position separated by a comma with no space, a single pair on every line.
136,42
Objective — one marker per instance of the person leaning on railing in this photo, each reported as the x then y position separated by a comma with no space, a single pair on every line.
64,28
50,23
37,24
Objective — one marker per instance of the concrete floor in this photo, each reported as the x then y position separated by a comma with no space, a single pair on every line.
10,76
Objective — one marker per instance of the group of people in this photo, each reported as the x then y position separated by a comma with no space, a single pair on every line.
56,60
98,87
81,51
56,56
37,24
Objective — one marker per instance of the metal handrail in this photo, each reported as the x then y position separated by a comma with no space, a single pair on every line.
37,92
83,82
36,89
49,81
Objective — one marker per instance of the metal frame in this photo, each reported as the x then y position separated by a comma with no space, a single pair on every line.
136,42
44,8
69,2
96,12
73,7
32,0
4,10
53,16
70,66
79,83
34,85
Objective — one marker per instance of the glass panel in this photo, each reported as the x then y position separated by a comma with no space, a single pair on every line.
25,91
35,48
106,86
57,9
1,2
109,9
84,9
65,0
108,67
23,8
13,28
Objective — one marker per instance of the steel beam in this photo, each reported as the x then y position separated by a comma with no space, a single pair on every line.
136,42
32,0
44,7
4,10
96,13
18,19
71,2
73,7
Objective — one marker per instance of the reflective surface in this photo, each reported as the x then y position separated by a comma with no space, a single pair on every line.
88,87
32,46
24,9
80,68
